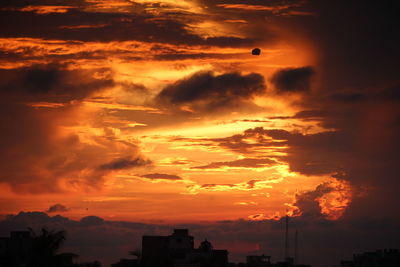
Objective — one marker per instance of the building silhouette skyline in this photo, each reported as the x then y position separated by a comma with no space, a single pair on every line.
175,250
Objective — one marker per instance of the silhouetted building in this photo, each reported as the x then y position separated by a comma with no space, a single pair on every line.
126,263
289,262
154,250
16,250
344,263
88,264
265,261
177,250
258,261
379,258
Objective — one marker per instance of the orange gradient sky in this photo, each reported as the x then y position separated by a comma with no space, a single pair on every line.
121,148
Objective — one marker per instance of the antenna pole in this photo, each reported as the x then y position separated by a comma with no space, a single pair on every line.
287,238
295,247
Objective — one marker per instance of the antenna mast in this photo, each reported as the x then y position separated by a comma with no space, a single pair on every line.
295,247
287,238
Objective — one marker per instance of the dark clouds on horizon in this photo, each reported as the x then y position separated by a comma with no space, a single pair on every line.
322,242
57,208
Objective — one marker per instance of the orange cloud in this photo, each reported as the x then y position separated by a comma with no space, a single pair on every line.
46,9
244,186
255,7
329,199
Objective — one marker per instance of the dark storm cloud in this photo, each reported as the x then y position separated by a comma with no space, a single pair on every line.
51,82
37,157
119,237
307,201
243,163
293,79
207,91
314,154
125,163
57,208
356,42
161,176
349,97
41,80
310,154
205,85
362,151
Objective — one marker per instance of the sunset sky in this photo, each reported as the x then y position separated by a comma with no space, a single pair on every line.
156,112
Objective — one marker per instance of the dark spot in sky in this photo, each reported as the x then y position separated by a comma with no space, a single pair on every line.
293,79
256,51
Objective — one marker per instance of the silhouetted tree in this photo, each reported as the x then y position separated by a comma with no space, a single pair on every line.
45,247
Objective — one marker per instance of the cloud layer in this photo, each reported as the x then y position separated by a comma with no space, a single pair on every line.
41,153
